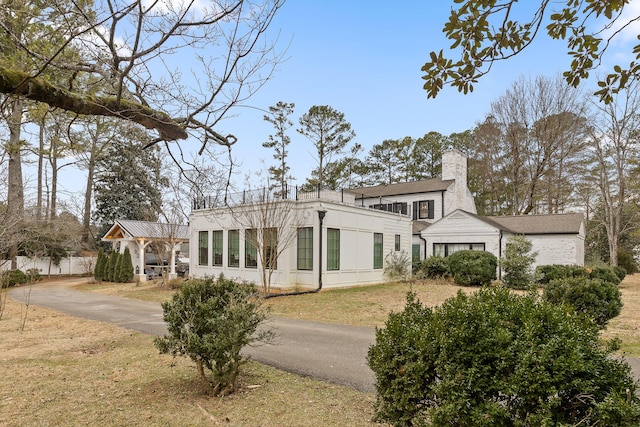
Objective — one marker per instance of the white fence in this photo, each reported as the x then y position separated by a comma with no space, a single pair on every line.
67,266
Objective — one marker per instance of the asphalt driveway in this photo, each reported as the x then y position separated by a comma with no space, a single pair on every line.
333,353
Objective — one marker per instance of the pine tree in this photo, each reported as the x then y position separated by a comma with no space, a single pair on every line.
126,267
98,272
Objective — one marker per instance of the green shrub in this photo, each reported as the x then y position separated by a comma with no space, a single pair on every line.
11,278
33,275
546,273
494,358
473,268
598,299
396,266
626,261
125,269
210,321
517,262
620,272
434,267
606,274
101,263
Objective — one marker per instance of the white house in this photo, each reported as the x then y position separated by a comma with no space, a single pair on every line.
341,238
320,239
558,239
426,202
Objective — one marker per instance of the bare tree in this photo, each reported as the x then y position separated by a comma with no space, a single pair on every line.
615,139
542,130
271,226
125,60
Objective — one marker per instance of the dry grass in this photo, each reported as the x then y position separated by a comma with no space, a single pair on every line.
361,306
65,371
627,325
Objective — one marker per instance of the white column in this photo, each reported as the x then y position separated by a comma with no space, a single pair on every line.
172,262
141,276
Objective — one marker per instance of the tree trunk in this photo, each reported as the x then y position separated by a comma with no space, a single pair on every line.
15,195
40,171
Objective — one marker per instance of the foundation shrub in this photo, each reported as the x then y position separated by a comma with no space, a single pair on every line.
473,268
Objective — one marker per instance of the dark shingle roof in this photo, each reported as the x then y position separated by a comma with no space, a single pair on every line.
425,186
537,224
418,226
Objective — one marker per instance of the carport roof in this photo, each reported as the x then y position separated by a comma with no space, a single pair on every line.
147,230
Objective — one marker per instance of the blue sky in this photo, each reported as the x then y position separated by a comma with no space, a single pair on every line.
364,59
365,62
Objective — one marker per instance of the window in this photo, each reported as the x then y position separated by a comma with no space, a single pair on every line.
333,249
377,250
233,252
397,243
426,209
250,248
216,236
415,253
203,248
397,207
446,249
305,248
270,239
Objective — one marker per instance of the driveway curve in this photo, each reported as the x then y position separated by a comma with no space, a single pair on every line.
329,352
333,353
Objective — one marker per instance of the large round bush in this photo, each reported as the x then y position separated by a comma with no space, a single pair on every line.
473,268
494,358
598,299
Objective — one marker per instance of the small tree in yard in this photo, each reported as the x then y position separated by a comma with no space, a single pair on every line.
517,263
397,266
494,358
101,263
210,321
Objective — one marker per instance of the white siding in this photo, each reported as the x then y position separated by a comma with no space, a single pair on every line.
565,249
460,227
356,225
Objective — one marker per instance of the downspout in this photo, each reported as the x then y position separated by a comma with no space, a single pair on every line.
321,214
425,245
500,256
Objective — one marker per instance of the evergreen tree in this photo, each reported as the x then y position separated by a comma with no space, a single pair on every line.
98,272
330,134
279,118
129,181
126,267
110,267
117,267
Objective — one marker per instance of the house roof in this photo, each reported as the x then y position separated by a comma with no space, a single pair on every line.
426,186
148,230
418,226
537,224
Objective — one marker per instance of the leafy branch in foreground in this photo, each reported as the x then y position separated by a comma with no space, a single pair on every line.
488,31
